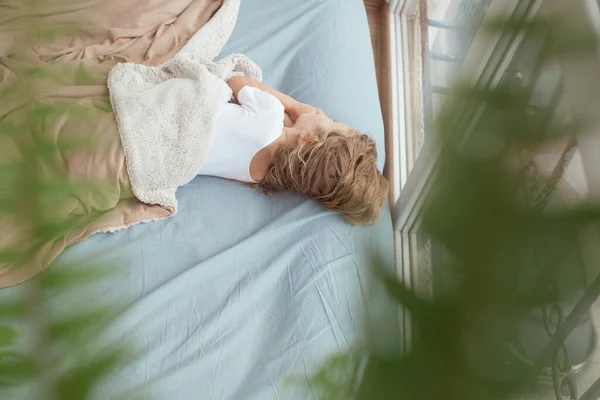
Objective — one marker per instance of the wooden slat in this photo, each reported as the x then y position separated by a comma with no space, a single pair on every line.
377,12
373,13
374,4
384,80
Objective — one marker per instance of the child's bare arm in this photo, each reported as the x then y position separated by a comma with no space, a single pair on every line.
238,82
293,108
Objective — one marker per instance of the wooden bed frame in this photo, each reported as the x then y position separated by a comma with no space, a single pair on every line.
378,14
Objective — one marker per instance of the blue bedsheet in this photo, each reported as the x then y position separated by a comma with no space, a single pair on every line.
240,291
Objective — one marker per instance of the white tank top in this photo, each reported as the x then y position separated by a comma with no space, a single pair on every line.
241,131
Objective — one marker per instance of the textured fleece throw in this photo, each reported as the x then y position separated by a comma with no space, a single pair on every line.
165,116
165,91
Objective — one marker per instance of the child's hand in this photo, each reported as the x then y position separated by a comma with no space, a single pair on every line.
300,108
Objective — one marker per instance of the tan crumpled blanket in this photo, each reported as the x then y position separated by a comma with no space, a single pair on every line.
71,116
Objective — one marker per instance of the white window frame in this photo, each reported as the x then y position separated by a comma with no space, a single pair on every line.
406,78
407,23
409,189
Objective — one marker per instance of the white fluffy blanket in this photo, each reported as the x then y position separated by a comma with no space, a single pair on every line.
165,114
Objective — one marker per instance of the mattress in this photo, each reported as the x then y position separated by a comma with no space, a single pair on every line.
243,295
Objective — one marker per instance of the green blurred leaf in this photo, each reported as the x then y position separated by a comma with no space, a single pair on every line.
52,32
73,276
8,172
11,257
12,309
578,43
8,336
563,38
75,75
49,110
10,129
15,368
532,27
81,324
78,383
338,378
7,206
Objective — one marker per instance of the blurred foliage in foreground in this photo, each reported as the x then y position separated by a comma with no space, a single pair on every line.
483,210
51,332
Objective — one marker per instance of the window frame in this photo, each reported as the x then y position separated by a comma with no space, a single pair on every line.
487,59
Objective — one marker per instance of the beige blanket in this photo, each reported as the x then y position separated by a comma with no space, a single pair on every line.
57,125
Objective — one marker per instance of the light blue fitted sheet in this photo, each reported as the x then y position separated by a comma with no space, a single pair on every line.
239,291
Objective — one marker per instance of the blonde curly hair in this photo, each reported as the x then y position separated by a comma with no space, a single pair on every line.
336,168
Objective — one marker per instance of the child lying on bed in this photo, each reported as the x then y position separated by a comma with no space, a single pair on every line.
270,139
